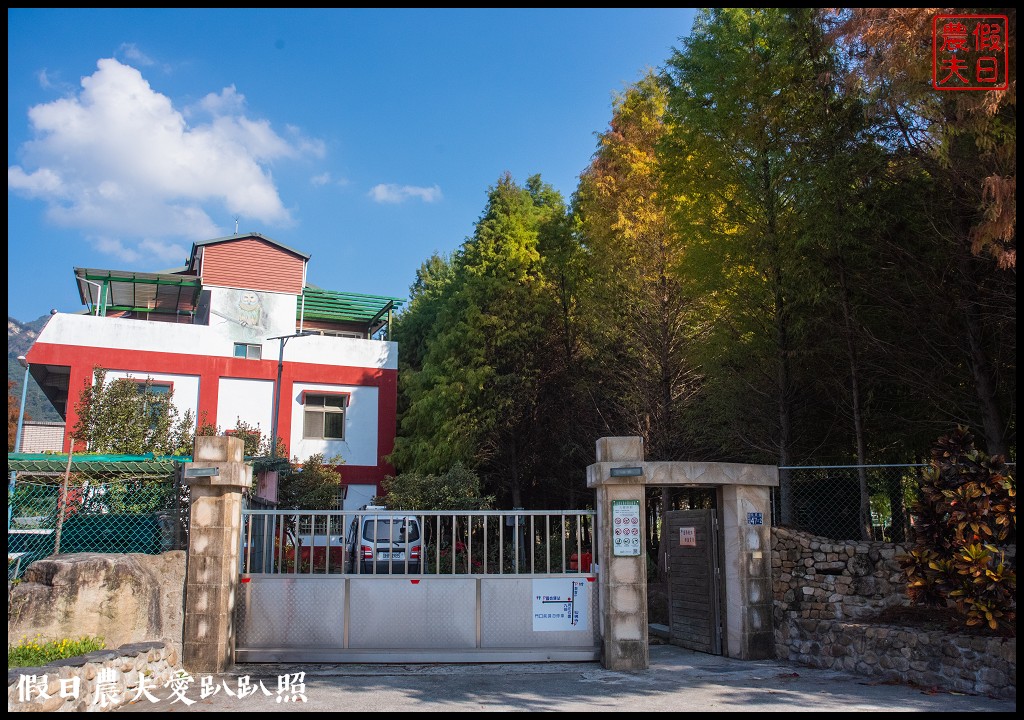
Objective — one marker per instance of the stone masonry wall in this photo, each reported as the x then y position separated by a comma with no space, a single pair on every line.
95,682
822,587
819,578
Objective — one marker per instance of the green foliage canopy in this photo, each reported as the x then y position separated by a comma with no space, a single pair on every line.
316,485
456,489
477,325
128,417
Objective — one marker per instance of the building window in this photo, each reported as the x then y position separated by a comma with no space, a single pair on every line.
154,396
155,387
249,352
324,416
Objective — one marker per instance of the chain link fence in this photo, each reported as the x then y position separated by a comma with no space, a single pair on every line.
826,500
113,504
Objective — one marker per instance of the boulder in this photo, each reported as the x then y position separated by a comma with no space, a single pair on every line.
121,598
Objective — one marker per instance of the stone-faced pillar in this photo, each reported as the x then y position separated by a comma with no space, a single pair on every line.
746,531
618,480
215,529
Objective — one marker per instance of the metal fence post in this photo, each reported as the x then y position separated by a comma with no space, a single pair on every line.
179,525
62,503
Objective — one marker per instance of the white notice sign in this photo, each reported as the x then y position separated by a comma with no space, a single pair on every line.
626,527
688,536
560,604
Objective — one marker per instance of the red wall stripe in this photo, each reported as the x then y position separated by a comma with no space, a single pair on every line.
210,369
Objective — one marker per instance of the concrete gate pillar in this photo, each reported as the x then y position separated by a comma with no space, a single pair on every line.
746,530
744,496
622,579
215,529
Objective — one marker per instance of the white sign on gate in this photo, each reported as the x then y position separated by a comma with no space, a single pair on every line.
560,604
626,527
688,536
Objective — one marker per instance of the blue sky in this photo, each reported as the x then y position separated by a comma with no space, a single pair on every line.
366,138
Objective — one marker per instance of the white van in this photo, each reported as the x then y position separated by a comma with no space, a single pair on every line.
385,543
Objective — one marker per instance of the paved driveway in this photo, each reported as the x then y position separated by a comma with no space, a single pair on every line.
678,680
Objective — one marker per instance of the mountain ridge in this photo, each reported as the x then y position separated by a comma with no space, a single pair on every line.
20,337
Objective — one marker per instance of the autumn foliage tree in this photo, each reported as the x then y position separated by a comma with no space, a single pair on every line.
969,136
964,143
634,259
787,248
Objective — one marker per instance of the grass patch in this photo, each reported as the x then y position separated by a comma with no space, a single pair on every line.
35,652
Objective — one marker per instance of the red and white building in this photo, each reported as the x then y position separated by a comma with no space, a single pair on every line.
212,332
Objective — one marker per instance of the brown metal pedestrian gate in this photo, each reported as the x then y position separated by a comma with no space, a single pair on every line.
695,607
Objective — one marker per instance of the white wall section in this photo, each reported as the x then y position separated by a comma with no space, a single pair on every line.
250,400
360,444
211,340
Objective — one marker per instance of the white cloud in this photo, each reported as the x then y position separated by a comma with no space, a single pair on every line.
41,183
391,193
327,179
132,53
226,102
149,251
306,145
119,162
168,252
113,246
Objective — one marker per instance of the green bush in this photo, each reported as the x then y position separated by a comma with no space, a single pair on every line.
457,489
965,514
316,485
35,652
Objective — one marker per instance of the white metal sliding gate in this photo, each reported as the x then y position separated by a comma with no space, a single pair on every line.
402,586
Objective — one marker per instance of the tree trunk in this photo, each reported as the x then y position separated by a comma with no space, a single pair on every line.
515,486
785,419
666,505
858,421
781,347
984,382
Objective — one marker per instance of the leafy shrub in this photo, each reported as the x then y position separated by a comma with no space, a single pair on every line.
35,652
964,516
457,489
315,485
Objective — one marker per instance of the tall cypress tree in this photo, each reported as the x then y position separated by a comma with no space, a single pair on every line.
477,396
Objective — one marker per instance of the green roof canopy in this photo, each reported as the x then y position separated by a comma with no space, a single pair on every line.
93,465
369,310
127,291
